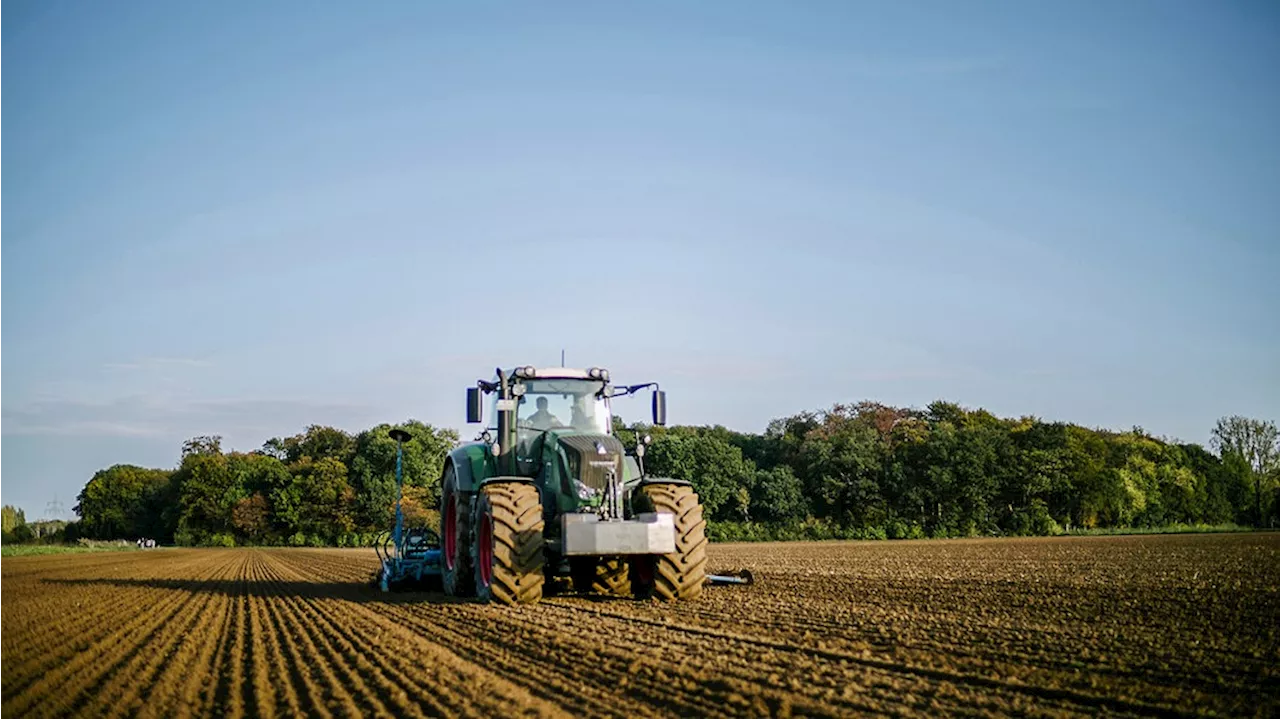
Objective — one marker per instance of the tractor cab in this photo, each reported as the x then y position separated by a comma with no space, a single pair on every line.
560,428
532,408
549,409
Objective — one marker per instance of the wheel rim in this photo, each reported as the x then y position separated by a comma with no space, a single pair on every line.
450,533
486,551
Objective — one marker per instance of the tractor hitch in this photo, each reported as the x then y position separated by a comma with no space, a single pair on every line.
743,576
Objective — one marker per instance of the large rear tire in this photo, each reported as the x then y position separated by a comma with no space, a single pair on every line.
508,548
681,574
455,538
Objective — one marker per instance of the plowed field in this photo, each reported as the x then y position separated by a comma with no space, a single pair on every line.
1116,625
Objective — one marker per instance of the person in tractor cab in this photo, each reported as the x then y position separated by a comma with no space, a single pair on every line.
583,418
542,419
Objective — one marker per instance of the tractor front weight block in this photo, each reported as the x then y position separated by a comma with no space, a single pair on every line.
587,534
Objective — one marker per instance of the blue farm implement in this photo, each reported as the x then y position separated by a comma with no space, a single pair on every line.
409,557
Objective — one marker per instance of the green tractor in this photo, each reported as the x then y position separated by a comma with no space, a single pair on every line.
548,493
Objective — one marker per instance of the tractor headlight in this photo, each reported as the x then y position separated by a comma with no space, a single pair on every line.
585,493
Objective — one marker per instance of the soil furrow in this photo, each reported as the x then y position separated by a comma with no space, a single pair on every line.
1084,700
370,627
76,615
1139,626
276,677
140,688
318,697
336,649
189,670
85,666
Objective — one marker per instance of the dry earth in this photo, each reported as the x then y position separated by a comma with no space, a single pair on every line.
1173,625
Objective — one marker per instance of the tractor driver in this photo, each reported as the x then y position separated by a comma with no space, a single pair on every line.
542,419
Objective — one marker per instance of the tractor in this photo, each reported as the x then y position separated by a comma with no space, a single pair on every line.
547,493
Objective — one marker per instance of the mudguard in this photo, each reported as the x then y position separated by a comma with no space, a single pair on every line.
471,465
503,480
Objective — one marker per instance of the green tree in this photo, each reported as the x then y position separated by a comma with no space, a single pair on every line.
324,498
373,469
1041,468
317,442
1255,441
778,496
1136,458
256,473
716,468
842,464
783,439
207,492
123,501
204,444
1212,488
10,518
1086,460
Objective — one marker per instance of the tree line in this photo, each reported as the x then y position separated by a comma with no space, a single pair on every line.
322,487
869,470
862,470
15,528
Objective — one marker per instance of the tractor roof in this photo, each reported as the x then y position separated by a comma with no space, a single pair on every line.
530,372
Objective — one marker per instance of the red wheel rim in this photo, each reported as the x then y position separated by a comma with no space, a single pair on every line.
486,551
450,533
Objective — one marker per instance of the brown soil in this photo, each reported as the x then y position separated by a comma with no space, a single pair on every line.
1181,625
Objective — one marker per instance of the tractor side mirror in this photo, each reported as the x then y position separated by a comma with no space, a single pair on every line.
660,408
475,410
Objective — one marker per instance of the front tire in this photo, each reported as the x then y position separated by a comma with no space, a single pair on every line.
681,574
508,548
455,538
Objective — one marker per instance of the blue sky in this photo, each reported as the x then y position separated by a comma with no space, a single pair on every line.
242,218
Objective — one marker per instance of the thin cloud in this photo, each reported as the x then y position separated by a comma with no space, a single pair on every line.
75,428
923,67
159,416
738,369
1040,372
897,375
154,363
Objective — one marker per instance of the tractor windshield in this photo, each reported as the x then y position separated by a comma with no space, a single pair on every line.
569,403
